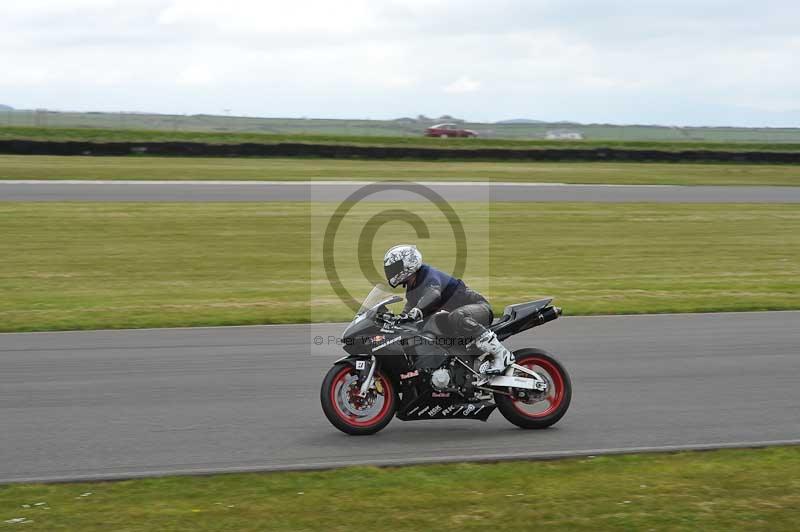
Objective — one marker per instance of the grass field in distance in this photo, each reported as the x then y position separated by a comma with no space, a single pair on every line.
115,265
221,169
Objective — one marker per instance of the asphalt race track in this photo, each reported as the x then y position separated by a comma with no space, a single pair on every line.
339,191
116,404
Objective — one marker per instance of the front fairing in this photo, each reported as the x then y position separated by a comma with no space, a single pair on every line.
361,325
357,336
357,339
376,302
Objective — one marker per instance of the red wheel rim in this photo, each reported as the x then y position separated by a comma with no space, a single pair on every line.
342,390
555,392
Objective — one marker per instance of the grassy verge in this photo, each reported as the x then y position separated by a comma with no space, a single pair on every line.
109,265
164,135
720,490
195,168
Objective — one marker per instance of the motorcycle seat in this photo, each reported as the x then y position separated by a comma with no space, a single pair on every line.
502,319
436,324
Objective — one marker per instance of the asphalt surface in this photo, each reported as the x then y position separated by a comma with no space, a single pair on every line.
117,404
339,191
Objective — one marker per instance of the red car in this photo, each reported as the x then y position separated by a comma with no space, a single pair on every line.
449,130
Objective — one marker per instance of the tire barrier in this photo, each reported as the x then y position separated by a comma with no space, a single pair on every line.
331,151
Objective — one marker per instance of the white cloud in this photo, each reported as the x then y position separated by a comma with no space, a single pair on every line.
462,85
293,17
195,75
683,61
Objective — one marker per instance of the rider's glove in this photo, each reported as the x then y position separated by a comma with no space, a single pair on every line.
415,314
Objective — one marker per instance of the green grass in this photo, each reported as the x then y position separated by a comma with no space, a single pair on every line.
196,168
711,491
112,265
364,136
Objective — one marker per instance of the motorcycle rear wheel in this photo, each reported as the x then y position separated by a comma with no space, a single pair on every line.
542,413
348,412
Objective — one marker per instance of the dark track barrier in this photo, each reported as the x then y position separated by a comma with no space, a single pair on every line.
198,149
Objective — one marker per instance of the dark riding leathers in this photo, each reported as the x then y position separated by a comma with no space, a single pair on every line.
433,290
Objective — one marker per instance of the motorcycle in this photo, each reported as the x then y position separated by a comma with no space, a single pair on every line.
378,379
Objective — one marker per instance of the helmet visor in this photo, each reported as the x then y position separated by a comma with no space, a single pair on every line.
393,270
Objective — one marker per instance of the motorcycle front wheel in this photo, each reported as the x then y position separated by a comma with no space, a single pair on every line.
350,413
537,412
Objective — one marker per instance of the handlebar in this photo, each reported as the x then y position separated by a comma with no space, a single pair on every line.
388,317
396,319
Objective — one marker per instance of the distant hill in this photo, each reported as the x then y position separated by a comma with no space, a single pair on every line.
520,121
6,107
405,126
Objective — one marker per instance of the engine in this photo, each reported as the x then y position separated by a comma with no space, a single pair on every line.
452,378
440,379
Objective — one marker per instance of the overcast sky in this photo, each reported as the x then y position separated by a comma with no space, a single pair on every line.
682,62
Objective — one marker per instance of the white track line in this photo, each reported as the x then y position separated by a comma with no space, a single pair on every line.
313,183
316,466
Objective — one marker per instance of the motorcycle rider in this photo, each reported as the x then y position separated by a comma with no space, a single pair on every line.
429,290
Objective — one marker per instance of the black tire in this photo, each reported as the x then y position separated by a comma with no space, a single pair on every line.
338,417
507,405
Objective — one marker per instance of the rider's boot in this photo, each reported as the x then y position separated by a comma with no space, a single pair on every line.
500,356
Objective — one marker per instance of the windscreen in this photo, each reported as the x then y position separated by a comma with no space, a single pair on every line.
378,294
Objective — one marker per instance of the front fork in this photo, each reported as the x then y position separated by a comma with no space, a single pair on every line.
366,374
365,369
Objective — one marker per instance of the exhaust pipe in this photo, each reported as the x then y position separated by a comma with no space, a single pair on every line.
546,314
